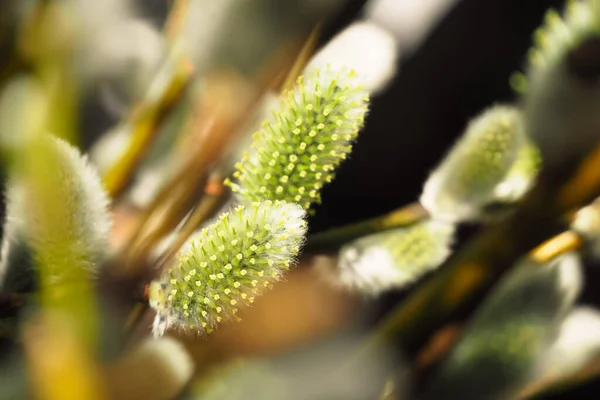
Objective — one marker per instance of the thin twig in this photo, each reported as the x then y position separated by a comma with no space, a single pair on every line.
176,18
333,239
145,120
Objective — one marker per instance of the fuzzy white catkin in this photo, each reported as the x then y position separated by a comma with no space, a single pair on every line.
467,179
89,224
577,344
410,21
501,347
364,47
393,259
228,264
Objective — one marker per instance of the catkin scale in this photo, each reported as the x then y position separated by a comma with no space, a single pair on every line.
297,150
227,264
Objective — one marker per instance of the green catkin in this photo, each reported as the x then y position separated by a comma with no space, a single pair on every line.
393,259
297,150
558,34
227,265
80,239
467,179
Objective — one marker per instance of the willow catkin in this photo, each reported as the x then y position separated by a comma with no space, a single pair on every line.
297,150
228,264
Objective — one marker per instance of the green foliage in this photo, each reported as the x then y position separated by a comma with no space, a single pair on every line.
297,151
227,264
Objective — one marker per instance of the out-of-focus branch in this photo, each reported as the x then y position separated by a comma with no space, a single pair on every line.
145,120
10,303
176,17
60,365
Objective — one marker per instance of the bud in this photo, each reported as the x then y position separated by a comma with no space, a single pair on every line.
227,265
392,259
77,240
467,179
297,151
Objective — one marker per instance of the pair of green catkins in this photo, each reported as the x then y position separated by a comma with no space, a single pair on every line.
295,154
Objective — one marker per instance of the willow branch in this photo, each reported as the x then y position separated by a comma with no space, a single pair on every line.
145,120
333,239
176,18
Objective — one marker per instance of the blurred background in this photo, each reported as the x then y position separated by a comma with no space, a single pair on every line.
451,60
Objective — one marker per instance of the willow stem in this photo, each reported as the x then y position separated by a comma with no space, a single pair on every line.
333,239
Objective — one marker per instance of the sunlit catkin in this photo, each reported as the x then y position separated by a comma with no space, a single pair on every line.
298,149
466,180
227,265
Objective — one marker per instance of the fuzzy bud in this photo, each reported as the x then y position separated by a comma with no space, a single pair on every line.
77,240
297,151
393,259
227,265
466,180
